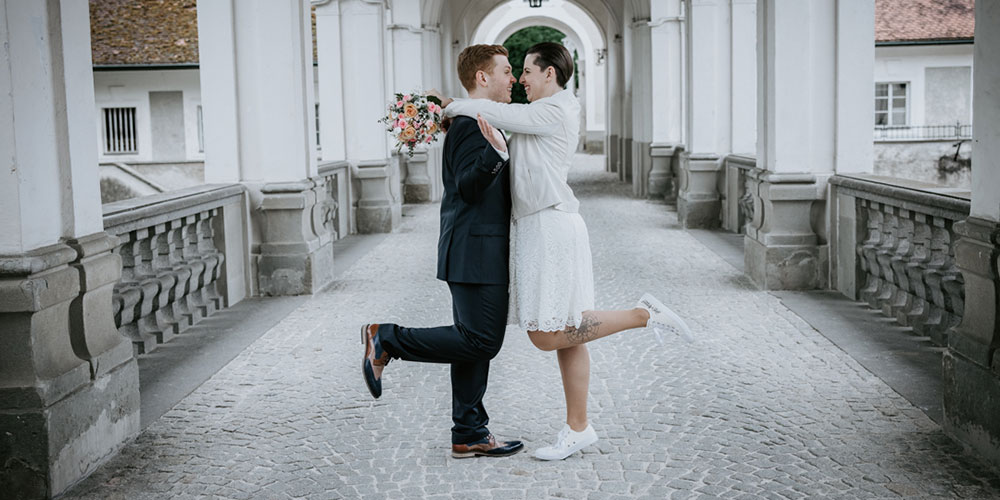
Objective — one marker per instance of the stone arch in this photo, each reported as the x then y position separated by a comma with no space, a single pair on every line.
583,33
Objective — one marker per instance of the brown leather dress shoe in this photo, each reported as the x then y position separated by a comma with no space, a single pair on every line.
486,447
374,361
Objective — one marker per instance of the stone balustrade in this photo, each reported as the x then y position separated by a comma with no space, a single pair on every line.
737,201
895,245
175,249
340,198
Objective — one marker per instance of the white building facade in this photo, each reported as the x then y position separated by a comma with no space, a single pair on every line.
708,104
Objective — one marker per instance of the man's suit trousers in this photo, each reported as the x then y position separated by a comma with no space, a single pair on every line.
480,313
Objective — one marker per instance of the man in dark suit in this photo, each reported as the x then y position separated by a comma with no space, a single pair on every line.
473,252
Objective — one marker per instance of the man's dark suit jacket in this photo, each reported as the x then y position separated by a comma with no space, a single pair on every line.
475,210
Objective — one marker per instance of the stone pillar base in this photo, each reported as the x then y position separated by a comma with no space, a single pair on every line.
379,208
625,168
69,386
661,174
972,361
296,251
641,166
781,249
698,200
614,149
417,188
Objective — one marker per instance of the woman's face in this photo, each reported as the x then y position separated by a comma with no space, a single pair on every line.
534,79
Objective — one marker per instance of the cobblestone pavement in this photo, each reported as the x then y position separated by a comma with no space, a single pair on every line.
762,407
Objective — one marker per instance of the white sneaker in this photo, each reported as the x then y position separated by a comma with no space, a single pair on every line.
662,318
567,443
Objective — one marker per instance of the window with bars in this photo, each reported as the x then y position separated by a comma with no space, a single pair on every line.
201,131
119,131
318,143
890,104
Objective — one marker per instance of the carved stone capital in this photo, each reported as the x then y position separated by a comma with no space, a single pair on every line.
295,252
379,207
417,188
698,200
661,174
971,363
69,387
782,249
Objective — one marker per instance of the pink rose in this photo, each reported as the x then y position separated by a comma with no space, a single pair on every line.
399,103
401,123
406,97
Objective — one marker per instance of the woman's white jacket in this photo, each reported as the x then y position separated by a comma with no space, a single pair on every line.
543,141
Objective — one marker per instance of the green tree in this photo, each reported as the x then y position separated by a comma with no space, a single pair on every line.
517,46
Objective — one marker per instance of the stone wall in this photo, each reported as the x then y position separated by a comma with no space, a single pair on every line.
926,161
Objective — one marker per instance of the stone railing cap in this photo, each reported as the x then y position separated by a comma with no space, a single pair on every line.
326,168
135,209
921,193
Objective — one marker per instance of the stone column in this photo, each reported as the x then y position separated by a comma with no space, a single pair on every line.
69,386
666,96
408,76
708,97
260,130
799,113
365,100
642,113
972,361
329,73
743,77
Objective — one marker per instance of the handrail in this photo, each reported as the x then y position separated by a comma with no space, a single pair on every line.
126,215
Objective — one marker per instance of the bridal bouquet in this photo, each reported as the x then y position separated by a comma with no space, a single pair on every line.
413,119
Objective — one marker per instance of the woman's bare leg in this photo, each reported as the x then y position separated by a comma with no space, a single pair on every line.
594,325
574,364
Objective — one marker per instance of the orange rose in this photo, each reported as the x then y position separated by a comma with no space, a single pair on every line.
407,134
432,129
410,111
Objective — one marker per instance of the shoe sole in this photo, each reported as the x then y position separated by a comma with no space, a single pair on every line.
573,450
364,359
473,454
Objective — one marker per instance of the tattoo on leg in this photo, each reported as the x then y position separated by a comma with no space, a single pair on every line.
586,332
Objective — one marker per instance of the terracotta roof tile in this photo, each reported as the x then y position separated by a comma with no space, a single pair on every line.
144,32
923,20
148,32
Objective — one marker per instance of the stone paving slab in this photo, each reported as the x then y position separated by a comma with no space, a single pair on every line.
762,407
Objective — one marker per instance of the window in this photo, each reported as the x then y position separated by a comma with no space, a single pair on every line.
201,132
119,131
318,144
890,104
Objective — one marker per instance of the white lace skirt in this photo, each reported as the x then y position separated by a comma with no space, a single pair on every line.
551,272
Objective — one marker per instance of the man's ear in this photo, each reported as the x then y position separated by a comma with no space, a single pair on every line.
481,77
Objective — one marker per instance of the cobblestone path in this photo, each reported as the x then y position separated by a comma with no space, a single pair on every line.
762,407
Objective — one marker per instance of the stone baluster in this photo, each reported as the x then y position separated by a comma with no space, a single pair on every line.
916,314
213,259
868,252
902,299
164,315
934,326
198,267
884,255
182,310
953,285
134,290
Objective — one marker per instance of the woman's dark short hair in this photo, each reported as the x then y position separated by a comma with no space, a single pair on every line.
553,54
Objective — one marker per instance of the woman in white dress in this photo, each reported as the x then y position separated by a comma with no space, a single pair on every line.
552,282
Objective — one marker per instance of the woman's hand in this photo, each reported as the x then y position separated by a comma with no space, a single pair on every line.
491,134
445,101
